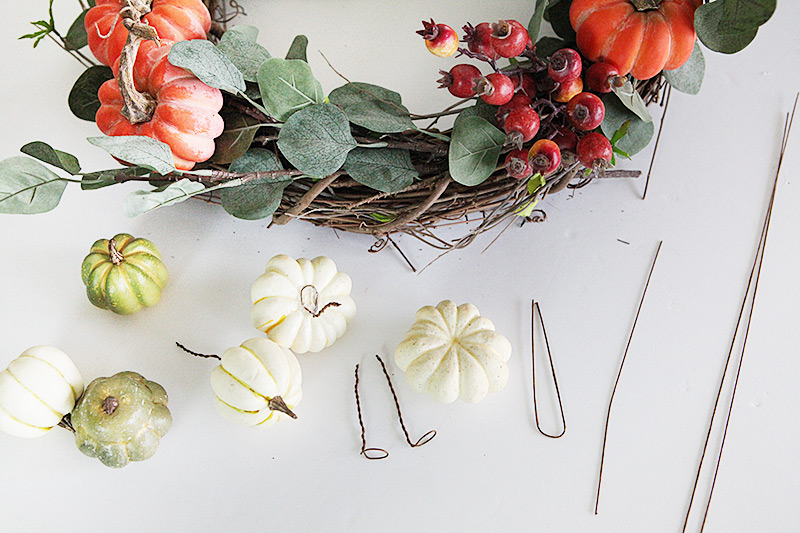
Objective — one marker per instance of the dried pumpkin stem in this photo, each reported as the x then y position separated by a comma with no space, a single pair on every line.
138,107
646,5
110,404
315,310
276,403
116,256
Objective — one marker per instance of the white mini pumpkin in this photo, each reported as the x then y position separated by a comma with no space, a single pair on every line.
303,305
257,383
453,352
36,390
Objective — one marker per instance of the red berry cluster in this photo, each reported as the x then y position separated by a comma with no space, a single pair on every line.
552,103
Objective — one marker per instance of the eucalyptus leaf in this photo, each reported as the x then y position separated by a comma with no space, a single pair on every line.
298,49
316,140
106,178
141,202
138,150
27,187
547,46
535,23
728,26
240,130
255,199
46,153
480,109
83,100
375,108
287,86
557,14
688,78
631,99
383,169
76,37
474,150
208,63
240,47
639,133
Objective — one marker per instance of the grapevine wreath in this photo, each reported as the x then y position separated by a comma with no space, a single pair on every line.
195,107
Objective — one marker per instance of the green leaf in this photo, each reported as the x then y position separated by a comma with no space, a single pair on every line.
106,178
208,63
728,26
255,199
557,14
27,187
240,130
688,78
547,46
383,169
535,24
240,47
474,150
83,101
372,107
287,86
621,132
480,109
381,217
639,134
631,99
535,183
316,140
76,37
298,48
138,150
46,153
141,202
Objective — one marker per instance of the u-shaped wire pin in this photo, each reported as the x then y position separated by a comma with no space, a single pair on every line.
534,310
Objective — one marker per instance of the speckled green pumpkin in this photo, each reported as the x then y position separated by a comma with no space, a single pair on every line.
121,419
123,274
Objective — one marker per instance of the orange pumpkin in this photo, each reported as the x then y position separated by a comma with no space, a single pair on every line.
187,110
642,37
173,20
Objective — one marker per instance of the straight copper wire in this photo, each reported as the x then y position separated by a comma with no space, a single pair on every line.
534,309
752,282
369,453
619,374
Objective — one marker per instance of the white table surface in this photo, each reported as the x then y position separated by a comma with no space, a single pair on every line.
488,469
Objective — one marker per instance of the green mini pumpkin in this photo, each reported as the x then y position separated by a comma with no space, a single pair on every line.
121,419
123,274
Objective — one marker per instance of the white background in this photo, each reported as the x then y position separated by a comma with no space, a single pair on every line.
488,468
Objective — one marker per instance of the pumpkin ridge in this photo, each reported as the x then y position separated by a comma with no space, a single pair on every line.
104,277
220,400
245,348
617,31
53,367
124,277
243,384
21,384
146,274
15,419
270,415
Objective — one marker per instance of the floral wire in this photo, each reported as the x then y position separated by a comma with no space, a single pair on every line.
534,308
383,454
668,92
619,374
427,437
206,356
758,260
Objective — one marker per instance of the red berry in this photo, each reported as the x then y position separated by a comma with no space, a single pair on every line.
517,164
566,139
518,100
594,150
602,77
525,84
509,38
460,81
479,39
565,65
544,156
585,111
521,125
440,39
495,88
567,90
